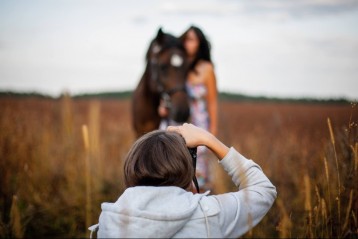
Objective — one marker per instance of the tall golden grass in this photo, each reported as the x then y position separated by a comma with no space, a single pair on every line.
59,159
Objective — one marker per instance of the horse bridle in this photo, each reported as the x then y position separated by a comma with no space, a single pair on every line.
165,95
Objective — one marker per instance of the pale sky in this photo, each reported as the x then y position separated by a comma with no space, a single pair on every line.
281,48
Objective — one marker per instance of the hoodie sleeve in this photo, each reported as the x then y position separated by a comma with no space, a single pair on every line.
244,209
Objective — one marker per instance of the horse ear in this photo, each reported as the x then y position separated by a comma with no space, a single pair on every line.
160,35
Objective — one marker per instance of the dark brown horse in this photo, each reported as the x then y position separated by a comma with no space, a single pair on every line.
164,79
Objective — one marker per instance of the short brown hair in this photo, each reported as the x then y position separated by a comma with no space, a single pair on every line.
159,158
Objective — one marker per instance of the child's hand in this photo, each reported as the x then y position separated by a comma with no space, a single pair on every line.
193,135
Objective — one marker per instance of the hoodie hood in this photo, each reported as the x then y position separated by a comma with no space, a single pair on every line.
148,212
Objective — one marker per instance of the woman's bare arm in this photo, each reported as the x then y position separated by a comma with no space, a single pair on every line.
210,82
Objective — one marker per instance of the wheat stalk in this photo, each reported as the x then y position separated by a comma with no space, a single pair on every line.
354,219
355,152
324,217
348,210
285,224
337,167
328,188
88,176
308,206
317,209
94,141
15,219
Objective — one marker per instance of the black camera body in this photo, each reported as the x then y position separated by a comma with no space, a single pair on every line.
193,153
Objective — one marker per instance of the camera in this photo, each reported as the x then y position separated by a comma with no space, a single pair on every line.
193,153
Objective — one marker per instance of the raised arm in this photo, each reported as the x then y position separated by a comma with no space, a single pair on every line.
195,136
241,210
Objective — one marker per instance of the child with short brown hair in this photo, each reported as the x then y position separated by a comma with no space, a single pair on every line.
158,202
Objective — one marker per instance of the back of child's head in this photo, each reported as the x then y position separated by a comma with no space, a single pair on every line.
159,158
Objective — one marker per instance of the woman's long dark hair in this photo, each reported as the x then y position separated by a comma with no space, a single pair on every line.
204,47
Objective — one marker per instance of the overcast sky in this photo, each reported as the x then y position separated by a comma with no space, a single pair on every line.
283,48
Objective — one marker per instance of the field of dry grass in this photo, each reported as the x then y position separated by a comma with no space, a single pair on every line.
59,159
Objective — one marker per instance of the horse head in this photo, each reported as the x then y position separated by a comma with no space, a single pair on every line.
167,67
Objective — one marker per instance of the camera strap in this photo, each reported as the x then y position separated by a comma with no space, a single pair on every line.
193,153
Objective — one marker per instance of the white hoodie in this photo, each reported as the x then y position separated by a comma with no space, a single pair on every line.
166,212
